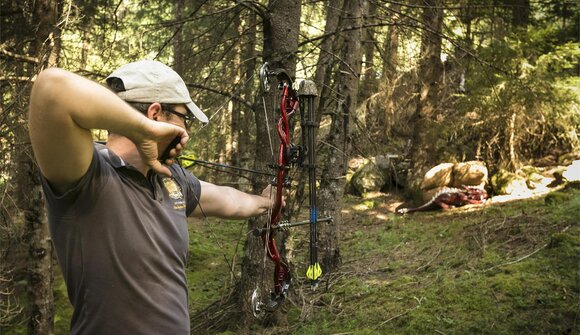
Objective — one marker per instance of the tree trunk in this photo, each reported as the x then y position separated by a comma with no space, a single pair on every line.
281,30
46,47
513,158
248,69
461,62
368,74
333,181
87,23
426,132
391,55
520,13
179,47
325,60
390,70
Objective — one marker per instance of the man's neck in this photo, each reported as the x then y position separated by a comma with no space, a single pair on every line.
126,149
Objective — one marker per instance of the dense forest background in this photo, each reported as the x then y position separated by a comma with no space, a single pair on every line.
422,81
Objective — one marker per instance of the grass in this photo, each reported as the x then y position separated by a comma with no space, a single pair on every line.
511,268
506,269
213,246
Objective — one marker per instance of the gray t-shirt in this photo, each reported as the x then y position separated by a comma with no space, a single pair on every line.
122,242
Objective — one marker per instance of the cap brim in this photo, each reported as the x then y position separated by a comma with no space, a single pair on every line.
192,107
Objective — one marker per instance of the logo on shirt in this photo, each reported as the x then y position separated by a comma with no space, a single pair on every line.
172,188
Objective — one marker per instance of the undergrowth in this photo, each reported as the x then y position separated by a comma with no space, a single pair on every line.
511,268
504,269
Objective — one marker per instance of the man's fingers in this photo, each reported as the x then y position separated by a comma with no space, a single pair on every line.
160,168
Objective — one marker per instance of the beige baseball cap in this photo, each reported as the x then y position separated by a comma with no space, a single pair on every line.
152,81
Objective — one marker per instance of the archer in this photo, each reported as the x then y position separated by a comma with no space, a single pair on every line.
117,213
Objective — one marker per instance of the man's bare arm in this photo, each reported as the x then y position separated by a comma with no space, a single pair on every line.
63,109
228,203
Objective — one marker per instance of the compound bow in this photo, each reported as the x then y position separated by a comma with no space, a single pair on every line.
289,155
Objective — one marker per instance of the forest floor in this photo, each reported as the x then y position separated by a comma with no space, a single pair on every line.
502,268
499,268
511,266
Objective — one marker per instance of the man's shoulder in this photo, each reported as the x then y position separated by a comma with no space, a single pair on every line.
107,155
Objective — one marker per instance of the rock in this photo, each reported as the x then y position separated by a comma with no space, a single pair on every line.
505,182
370,177
356,162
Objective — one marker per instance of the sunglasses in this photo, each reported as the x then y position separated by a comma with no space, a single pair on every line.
188,119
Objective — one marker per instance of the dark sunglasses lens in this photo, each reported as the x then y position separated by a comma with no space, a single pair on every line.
187,119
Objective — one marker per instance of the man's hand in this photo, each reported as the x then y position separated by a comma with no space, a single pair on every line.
270,193
154,140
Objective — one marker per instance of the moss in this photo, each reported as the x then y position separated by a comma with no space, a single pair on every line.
557,197
505,269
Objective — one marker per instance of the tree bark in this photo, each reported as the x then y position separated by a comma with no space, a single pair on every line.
368,74
46,48
391,55
520,13
87,23
247,71
179,47
426,129
390,70
325,61
233,137
461,61
333,181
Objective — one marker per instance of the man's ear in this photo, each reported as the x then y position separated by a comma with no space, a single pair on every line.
154,111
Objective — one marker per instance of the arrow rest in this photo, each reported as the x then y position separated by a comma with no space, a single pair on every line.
295,154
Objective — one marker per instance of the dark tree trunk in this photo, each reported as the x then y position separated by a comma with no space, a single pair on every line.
390,70
232,147
46,48
247,71
426,132
460,66
87,22
281,30
179,47
325,61
333,182
368,81
391,56
520,13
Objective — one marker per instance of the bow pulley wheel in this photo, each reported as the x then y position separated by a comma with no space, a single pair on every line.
257,305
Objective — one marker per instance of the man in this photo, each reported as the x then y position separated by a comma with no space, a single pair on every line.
117,215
